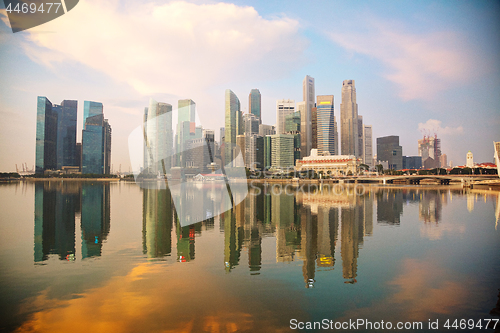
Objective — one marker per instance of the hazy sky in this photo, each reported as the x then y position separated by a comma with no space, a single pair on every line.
419,66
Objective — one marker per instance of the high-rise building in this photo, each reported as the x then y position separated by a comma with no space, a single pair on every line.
251,124
186,125
159,137
66,133
349,119
430,149
443,161
46,136
496,146
91,109
292,127
96,145
360,148
254,152
282,151
254,103
326,125
240,143
388,149
284,107
266,130
306,123
368,146
231,113
314,127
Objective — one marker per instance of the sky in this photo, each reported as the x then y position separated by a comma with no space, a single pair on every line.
420,67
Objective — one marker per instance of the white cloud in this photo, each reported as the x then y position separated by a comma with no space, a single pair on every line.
422,65
432,126
174,48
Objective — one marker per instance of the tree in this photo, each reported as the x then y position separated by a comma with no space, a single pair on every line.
379,168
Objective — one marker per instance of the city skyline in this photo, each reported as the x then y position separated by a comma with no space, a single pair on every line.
446,83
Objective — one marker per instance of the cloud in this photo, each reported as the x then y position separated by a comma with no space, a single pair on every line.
421,65
434,126
174,48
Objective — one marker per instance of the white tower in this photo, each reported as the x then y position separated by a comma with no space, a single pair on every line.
470,160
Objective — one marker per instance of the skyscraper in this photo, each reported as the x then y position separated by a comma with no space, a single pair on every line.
388,149
91,109
349,119
46,136
360,147
325,125
185,128
231,114
66,133
306,123
254,103
368,146
159,137
284,107
96,145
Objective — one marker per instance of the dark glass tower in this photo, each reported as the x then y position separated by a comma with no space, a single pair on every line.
96,140
46,136
254,101
66,133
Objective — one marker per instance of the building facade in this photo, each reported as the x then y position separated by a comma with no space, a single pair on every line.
282,151
159,137
231,113
339,165
46,136
388,149
284,107
368,146
349,119
308,94
325,125
254,103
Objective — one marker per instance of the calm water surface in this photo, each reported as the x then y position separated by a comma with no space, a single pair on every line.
100,257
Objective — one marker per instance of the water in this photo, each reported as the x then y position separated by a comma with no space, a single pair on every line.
100,257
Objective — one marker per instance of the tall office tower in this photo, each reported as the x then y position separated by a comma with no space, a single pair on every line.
46,136
326,125
254,151
349,119
306,121
91,109
335,136
96,145
360,138
231,113
254,104
144,135
268,141
266,130
251,124
368,146
240,142
389,150
159,137
292,126
314,126
185,128
282,151
283,108
240,125
443,161
200,152
66,133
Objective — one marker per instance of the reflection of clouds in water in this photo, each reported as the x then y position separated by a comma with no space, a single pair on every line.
149,299
437,294
436,231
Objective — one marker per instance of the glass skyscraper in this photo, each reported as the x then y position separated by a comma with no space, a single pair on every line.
66,133
325,125
254,103
96,140
349,119
46,136
159,137
231,114
91,109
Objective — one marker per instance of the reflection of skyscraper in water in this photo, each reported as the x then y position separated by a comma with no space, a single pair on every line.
55,206
156,223
232,240
252,233
389,206
470,201
185,241
430,206
367,202
497,212
328,223
287,235
95,221
308,245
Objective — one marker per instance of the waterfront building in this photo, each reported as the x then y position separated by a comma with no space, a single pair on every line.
91,109
284,107
292,127
186,129
349,119
412,162
231,114
66,133
360,147
443,161
470,160
96,145
159,137
388,149
46,136
368,146
306,121
254,103
496,146
332,165
325,125
314,127
282,151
